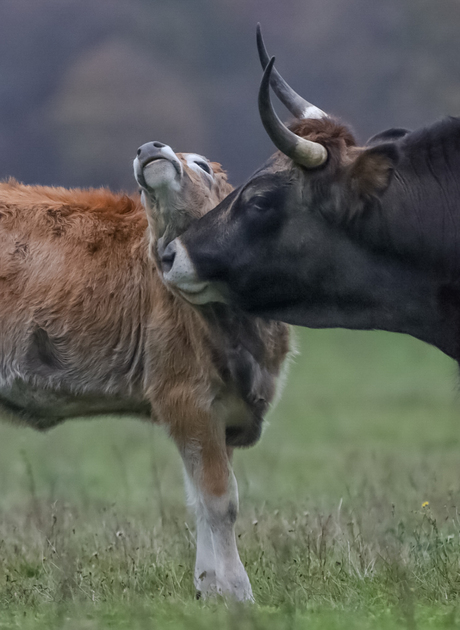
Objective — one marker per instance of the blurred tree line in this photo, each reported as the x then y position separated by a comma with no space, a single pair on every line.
84,83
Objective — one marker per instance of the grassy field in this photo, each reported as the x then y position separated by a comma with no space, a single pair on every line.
349,507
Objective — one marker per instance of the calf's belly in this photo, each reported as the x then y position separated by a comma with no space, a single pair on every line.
43,408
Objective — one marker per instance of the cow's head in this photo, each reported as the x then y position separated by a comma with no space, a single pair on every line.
278,243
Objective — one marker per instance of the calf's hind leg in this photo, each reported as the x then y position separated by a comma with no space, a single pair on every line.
213,492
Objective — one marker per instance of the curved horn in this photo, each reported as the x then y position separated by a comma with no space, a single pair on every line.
302,151
298,106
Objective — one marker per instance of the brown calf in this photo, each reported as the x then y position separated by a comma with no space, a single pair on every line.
87,327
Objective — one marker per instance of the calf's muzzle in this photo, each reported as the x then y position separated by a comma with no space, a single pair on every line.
149,152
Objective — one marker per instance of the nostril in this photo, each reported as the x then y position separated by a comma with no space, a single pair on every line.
167,259
158,145
139,151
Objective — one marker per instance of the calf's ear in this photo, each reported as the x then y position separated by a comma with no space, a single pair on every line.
372,170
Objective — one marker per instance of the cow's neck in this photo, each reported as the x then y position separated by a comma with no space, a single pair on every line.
374,292
412,240
418,217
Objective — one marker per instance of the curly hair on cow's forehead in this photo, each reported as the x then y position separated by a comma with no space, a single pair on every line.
322,130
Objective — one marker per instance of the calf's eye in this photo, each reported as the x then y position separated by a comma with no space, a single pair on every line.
205,167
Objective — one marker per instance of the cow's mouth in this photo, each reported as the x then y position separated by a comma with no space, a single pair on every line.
179,275
157,166
196,295
157,171
159,158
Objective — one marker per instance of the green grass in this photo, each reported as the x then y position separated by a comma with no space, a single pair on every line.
94,533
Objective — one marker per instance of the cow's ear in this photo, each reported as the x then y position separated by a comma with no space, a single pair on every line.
372,170
389,135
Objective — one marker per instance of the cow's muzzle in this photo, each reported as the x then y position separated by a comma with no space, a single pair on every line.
148,157
180,276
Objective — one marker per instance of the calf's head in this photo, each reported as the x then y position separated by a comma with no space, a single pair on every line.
176,188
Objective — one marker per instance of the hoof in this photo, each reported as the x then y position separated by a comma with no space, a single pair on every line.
208,585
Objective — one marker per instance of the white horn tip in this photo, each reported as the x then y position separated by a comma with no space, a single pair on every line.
310,154
313,112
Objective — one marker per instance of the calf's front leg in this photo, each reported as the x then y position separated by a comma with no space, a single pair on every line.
213,492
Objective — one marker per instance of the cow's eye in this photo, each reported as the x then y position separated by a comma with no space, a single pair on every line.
205,167
260,203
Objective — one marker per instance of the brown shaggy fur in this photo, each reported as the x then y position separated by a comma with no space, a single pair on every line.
75,264
329,132
88,327
367,171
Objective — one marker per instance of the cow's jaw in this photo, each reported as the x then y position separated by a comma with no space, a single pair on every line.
161,180
161,168
180,276
162,173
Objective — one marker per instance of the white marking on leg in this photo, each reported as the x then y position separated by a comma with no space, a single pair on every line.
218,567
221,513
205,565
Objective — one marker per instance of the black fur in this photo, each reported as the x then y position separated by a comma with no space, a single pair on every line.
374,243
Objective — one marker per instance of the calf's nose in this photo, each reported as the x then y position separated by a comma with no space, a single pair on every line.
149,151
168,256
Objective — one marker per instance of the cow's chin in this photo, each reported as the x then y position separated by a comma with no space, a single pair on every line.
160,172
200,293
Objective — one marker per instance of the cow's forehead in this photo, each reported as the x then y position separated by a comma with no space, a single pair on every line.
266,178
276,164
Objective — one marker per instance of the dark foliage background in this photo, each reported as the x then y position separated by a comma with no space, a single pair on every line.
83,83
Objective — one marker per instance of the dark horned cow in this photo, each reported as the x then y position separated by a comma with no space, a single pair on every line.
88,327
331,234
